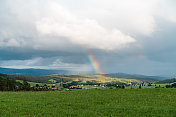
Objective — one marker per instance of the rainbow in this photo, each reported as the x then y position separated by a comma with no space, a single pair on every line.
96,66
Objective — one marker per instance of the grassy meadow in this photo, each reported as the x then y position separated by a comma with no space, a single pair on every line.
90,103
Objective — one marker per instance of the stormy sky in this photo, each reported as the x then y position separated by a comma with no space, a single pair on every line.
130,36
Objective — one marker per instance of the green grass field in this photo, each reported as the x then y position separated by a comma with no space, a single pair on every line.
90,103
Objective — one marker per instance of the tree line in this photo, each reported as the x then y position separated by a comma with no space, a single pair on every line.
7,84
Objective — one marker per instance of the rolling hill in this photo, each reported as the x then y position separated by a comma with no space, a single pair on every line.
134,76
32,72
173,80
44,76
81,77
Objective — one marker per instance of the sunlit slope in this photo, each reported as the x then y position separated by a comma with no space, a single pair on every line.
98,78
82,77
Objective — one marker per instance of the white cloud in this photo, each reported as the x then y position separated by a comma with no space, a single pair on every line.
53,19
59,25
166,10
130,16
85,32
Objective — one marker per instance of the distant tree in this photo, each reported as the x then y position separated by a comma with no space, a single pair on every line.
139,86
25,85
2,84
37,85
171,86
11,85
53,86
168,86
174,85
149,84
7,84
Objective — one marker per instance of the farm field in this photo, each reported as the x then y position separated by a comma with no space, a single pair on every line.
85,103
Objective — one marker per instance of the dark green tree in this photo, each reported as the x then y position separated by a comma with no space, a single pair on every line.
140,87
25,86
7,84
37,85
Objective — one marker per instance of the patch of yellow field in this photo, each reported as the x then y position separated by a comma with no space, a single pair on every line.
98,78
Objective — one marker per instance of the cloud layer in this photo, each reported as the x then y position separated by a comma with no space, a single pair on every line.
48,24
61,33
85,32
